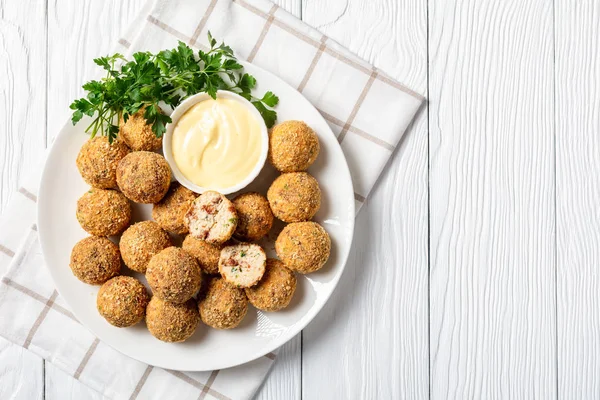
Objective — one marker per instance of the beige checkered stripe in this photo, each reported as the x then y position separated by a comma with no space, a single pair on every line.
205,388
322,47
202,22
261,38
51,305
7,251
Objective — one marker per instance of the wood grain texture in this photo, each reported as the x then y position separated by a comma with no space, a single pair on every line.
22,140
481,158
578,197
60,386
370,340
492,283
22,90
20,373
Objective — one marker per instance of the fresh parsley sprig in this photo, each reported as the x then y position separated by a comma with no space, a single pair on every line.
166,77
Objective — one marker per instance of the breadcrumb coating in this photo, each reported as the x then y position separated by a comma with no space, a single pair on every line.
303,246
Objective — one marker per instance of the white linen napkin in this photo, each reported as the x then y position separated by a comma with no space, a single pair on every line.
367,110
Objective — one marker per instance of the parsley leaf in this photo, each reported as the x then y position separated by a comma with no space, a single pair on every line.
166,77
270,99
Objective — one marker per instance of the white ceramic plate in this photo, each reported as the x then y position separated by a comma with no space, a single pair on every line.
208,349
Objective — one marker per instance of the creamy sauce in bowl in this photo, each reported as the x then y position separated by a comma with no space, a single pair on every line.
217,143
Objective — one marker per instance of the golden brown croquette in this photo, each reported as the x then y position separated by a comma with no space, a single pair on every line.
103,212
169,212
94,260
206,254
140,242
122,301
211,217
144,177
303,246
224,305
293,146
97,161
174,275
255,217
294,197
275,289
137,134
171,322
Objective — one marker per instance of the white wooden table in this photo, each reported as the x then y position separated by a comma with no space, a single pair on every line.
475,271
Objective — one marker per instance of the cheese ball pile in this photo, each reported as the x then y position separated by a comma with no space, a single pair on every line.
219,269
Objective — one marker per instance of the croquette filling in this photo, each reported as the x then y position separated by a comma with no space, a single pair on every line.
242,265
211,219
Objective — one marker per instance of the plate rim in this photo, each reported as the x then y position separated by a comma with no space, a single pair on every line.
216,365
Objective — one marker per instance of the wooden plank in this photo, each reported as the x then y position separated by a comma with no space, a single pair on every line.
21,373
60,386
22,91
492,283
22,137
370,341
578,196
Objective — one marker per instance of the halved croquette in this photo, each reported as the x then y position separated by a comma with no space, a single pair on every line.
212,218
243,264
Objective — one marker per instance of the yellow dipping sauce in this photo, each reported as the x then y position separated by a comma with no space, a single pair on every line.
217,143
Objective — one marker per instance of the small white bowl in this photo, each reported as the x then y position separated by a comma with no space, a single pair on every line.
186,105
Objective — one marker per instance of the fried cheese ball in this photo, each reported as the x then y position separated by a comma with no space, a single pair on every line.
97,161
94,260
103,212
293,146
137,134
122,301
211,217
171,322
205,253
224,305
173,275
144,177
303,246
276,288
169,212
242,264
294,197
140,242
255,217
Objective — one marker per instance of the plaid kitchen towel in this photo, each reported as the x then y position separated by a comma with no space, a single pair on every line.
367,111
